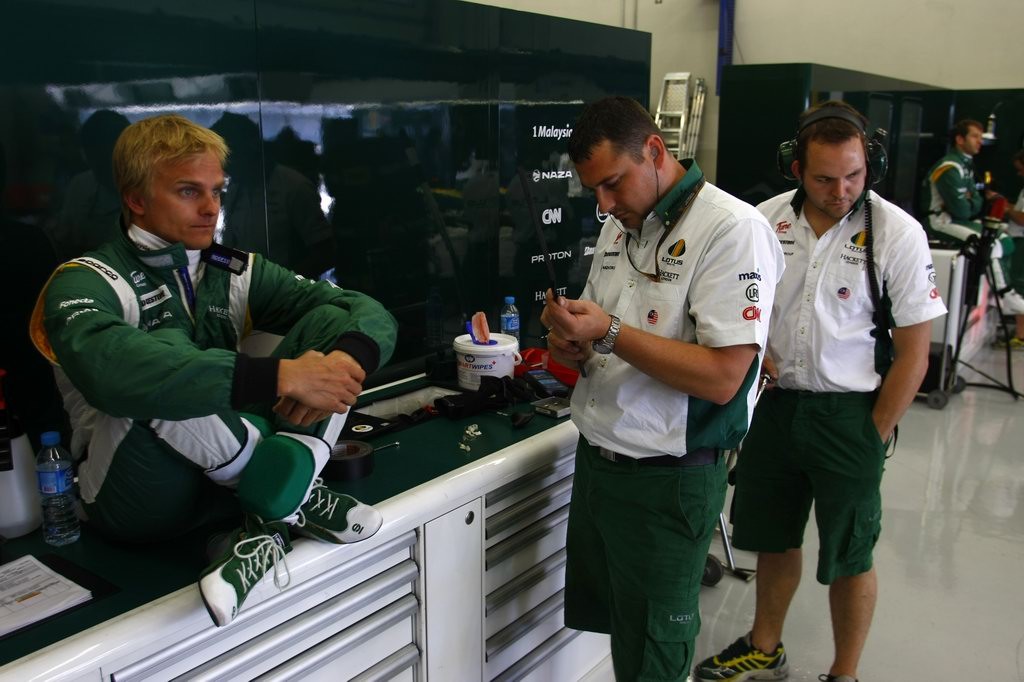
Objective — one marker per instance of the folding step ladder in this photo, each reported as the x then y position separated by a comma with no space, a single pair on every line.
679,113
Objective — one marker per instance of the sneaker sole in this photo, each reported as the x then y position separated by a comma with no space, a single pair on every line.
780,673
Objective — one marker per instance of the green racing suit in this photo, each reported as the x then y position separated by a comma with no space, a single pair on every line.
155,383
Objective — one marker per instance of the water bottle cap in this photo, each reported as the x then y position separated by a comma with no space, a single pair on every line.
50,438
509,300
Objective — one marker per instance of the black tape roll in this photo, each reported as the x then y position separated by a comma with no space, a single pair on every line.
350,460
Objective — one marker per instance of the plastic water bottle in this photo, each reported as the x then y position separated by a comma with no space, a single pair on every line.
510,318
57,488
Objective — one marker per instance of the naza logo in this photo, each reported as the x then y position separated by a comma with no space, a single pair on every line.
677,249
752,313
539,175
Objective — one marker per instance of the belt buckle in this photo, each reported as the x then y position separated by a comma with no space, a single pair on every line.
607,454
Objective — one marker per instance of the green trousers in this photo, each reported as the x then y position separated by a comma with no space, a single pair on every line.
637,543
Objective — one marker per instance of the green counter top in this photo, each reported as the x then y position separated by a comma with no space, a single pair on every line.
138,574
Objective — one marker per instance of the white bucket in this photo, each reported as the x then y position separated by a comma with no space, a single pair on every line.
476,361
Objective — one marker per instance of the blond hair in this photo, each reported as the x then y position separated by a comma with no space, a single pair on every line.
158,140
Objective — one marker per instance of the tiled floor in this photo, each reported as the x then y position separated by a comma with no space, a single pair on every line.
950,559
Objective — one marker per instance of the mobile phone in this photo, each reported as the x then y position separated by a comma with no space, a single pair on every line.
545,384
555,406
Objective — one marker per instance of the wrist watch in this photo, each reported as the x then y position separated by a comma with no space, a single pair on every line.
605,344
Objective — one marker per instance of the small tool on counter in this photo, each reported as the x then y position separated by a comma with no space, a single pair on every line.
470,434
518,419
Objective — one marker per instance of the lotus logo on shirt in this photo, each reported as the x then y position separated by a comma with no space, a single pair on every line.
843,293
677,249
652,317
860,239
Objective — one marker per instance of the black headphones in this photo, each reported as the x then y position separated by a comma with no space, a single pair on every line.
878,162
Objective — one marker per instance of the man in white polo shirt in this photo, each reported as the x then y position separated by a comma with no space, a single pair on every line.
849,356
671,327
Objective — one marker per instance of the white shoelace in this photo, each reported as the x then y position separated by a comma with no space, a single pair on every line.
264,550
324,503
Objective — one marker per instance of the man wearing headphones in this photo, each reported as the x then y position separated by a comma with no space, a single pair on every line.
671,324
822,434
955,203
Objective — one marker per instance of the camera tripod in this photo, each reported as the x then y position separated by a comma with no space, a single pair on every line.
978,251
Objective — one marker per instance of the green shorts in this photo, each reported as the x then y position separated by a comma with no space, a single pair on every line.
637,543
811,447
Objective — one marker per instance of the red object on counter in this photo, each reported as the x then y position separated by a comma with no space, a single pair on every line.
540,358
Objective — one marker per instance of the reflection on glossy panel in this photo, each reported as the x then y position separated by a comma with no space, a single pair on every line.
75,77
375,143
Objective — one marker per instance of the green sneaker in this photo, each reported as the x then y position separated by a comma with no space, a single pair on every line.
251,552
337,518
741,660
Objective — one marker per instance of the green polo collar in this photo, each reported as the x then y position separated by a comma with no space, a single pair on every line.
672,205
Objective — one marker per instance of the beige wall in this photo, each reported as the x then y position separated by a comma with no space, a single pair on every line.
955,44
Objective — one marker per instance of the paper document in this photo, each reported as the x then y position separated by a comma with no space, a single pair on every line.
29,592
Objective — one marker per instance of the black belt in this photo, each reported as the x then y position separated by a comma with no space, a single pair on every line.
692,458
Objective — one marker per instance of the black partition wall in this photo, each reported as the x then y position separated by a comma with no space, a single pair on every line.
379,143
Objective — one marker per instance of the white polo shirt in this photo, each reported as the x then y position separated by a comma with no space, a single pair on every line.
719,265
821,323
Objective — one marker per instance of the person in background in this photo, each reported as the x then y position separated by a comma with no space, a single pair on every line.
955,206
166,412
848,348
671,326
